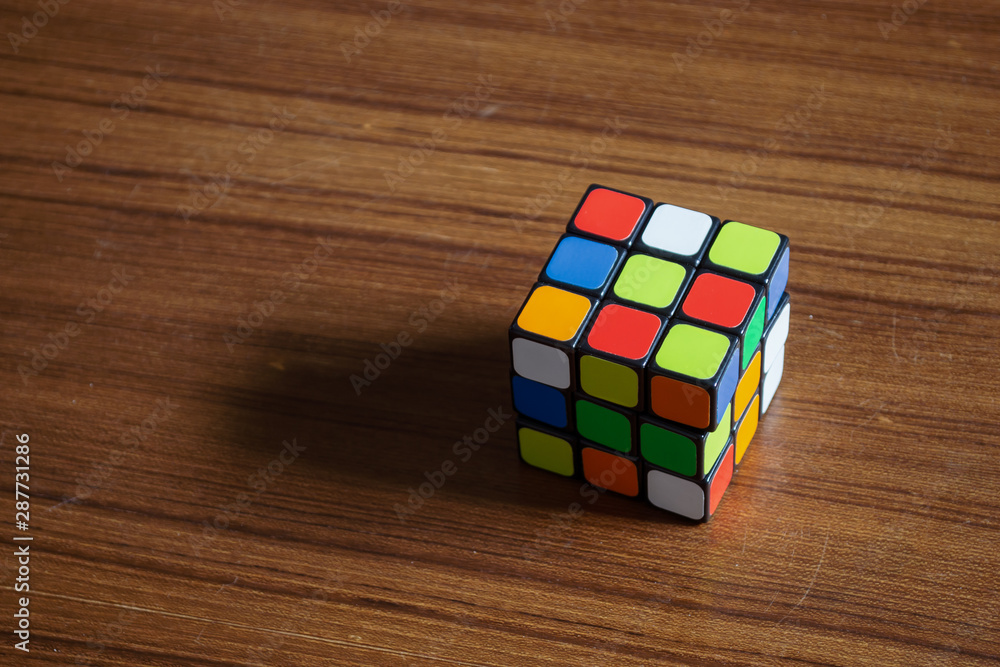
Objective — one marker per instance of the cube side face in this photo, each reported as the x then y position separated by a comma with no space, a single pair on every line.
547,449
776,332
582,265
771,381
609,215
748,385
746,428
677,234
778,282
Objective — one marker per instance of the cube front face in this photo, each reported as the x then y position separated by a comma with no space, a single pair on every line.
646,354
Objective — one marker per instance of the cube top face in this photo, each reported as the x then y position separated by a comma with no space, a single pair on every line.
745,249
678,232
610,215
624,332
651,282
554,313
718,300
581,263
693,351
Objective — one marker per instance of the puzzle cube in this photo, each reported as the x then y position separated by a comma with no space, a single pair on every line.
649,349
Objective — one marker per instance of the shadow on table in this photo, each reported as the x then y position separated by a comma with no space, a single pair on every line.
409,421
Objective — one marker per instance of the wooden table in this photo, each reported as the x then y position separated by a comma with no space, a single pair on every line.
216,214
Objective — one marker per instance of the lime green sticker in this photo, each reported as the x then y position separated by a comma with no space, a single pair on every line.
669,450
610,381
753,334
604,426
692,351
744,248
650,281
718,439
546,451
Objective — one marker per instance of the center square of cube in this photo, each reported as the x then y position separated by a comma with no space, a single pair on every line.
614,352
651,282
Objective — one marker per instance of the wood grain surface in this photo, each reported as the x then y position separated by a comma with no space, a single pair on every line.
214,214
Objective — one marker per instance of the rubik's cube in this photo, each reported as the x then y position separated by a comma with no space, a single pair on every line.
648,350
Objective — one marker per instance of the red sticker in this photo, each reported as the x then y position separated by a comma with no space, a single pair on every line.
610,214
623,331
718,300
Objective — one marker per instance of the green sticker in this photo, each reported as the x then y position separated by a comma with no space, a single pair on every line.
609,381
546,451
650,281
744,248
753,334
717,439
604,426
669,450
692,351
